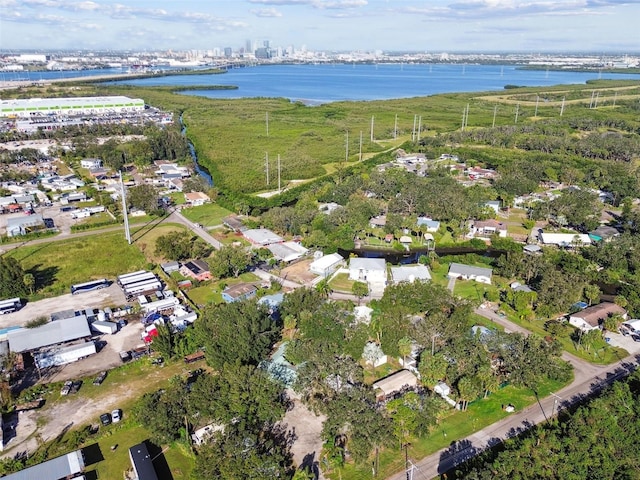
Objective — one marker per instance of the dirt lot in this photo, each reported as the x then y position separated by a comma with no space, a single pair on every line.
306,427
111,296
61,220
299,272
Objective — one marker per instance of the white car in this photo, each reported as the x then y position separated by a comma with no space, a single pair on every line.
116,416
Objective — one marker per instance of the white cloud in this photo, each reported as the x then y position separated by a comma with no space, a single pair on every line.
266,12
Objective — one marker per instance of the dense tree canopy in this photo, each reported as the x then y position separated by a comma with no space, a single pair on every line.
239,332
12,278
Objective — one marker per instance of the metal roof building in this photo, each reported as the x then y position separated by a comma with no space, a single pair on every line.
262,236
57,468
52,333
27,108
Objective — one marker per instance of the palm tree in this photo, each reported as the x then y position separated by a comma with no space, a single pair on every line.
323,288
29,281
404,347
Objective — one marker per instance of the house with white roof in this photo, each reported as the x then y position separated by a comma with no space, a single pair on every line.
368,270
326,265
565,240
468,272
262,236
432,225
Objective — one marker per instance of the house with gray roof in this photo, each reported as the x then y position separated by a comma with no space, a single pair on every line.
262,236
410,273
468,272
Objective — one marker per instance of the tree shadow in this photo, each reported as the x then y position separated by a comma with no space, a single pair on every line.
457,453
43,276
311,465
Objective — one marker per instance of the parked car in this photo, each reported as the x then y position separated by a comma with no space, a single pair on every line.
636,337
66,388
116,415
624,331
105,419
100,378
75,386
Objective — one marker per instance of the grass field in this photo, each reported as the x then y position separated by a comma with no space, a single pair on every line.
309,137
145,238
58,265
208,215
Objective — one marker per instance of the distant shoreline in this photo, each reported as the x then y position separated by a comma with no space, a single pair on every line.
558,68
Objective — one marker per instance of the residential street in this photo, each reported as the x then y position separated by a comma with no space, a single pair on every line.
588,378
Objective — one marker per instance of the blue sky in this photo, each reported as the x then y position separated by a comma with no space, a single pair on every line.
428,25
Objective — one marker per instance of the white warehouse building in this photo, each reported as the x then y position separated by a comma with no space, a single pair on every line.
30,107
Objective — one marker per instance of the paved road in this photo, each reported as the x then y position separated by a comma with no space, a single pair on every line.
588,378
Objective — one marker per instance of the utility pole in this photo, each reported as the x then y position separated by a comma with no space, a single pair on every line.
615,96
495,110
517,111
395,128
279,190
346,154
372,128
537,99
562,107
123,194
413,132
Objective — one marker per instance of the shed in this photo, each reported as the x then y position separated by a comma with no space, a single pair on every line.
442,389
395,382
326,265
468,272
169,267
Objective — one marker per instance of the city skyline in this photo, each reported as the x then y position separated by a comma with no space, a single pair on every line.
338,25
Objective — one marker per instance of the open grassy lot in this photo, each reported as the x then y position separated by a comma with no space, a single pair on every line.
208,215
58,265
341,283
145,238
212,292
453,426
